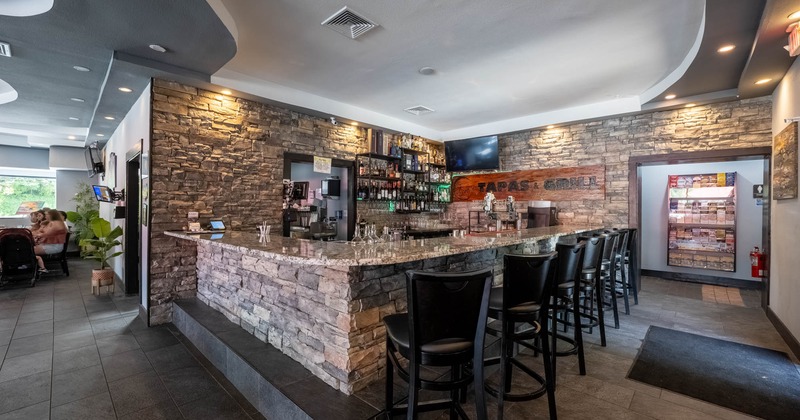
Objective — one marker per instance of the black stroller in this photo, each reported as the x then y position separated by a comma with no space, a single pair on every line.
17,258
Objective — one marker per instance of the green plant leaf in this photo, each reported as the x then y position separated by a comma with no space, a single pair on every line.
114,234
74,217
101,227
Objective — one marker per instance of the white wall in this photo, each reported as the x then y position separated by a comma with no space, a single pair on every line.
784,292
134,128
655,208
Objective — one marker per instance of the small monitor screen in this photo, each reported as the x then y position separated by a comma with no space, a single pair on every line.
217,225
103,193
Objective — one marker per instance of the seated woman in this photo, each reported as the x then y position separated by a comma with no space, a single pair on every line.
50,238
36,221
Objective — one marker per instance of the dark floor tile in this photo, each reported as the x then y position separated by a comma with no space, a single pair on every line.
123,365
155,338
5,337
28,345
189,384
36,316
72,325
110,327
116,344
170,358
219,406
69,313
104,314
209,318
8,323
32,305
78,384
73,340
40,411
95,407
138,392
34,328
75,359
23,392
277,367
164,411
26,365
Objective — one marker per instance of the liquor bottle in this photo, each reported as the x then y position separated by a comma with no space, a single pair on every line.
361,170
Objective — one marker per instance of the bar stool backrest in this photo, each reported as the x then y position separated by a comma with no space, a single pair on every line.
610,245
593,251
447,305
632,238
526,279
570,261
622,246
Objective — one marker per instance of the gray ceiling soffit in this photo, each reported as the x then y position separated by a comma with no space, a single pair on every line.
768,58
89,33
727,22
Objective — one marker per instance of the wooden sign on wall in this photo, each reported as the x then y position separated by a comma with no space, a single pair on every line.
559,184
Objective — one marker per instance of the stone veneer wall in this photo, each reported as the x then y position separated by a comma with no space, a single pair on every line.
223,157
611,142
328,318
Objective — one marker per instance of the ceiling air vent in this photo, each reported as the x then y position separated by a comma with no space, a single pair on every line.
349,23
418,110
5,49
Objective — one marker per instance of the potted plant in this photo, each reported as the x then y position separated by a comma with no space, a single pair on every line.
102,246
86,209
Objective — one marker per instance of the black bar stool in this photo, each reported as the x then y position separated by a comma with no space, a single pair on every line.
445,326
608,274
524,298
632,264
566,299
622,280
592,285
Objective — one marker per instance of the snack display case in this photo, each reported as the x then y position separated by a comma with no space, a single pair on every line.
702,221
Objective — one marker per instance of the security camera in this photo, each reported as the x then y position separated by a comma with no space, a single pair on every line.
333,121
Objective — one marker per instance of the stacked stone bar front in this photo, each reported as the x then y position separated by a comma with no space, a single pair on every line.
328,316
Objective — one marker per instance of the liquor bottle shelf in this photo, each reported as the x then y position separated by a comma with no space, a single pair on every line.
703,198
700,251
378,156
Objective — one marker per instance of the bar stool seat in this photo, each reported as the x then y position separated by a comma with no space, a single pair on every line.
496,304
397,331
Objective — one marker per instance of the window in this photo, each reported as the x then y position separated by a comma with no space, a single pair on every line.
21,194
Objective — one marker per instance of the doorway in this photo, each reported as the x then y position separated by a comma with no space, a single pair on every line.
343,209
133,248
641,166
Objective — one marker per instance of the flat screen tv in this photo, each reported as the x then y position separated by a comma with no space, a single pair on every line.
103,193
93,161
475,154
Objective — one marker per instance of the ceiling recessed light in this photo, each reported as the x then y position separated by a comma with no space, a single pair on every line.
126,90
225,92
726,48
763,81
795,15
101,135
690,105
426,71
81,68
354,123
159,48
77,99
670,96
71,137
74,118
109,118
550,127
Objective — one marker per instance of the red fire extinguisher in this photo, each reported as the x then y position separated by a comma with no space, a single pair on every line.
756,263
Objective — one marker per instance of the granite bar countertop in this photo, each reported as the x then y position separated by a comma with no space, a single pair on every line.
305,251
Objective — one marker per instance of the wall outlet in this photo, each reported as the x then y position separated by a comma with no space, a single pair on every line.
193,215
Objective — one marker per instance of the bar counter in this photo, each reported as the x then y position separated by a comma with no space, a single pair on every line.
322,303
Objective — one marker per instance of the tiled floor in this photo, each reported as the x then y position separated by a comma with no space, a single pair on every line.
67,354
